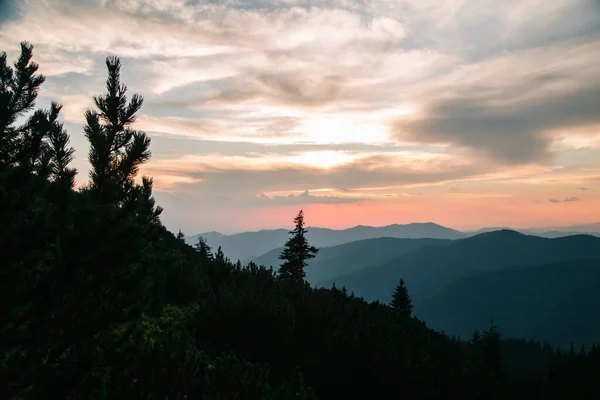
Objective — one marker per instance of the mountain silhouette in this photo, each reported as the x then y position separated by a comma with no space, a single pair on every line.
429,269
334,261
245,245
558,303
248,245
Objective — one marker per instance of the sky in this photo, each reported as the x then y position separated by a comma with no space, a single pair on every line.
467,113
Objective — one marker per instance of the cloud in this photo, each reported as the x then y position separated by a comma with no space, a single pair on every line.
567,200
480,29
513,133
304,198
258,173
357,80
251,97
504,108
194,30
329,61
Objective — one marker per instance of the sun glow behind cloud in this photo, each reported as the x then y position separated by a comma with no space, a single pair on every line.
332,129
322,159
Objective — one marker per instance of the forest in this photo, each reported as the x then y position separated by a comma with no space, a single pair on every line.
100,301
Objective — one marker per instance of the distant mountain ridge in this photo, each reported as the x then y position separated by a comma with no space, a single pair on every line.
428,270
253,244
457,285
245,245
346,258
556,302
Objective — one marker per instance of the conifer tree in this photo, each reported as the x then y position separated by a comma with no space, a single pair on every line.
116,150
35,184
204,249
19,88
296,252
491,345
25,214
61,154
116,222
401,300
220,257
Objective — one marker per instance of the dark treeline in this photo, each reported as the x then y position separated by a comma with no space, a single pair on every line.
100,301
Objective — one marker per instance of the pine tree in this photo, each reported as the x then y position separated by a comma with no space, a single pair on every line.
401,300
116,150
61,154
204,249
220,258
296,252
36,189
19,88
491,344
28,232
114,222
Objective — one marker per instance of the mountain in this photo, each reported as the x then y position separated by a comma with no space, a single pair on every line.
253,244
331,262
545,232
246,245
593,228
557,234
558,303
243,245
429,269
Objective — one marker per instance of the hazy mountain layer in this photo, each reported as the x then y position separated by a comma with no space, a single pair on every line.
558,303
458,285
334,261
253,244
245,245
430,269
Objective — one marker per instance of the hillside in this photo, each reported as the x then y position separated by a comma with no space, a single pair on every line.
346,258
558,303
429,270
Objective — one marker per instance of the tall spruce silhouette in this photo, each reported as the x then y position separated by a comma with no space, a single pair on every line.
19,86
117,150
296,252
491,343
401,301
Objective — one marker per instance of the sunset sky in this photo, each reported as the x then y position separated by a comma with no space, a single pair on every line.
465,113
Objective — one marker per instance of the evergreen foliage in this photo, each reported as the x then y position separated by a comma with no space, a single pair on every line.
401,301
491,344
296,252
100,301
203,249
